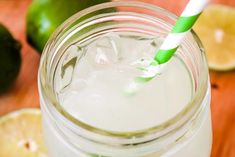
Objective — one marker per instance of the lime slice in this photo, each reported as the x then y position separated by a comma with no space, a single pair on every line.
21,134
216,29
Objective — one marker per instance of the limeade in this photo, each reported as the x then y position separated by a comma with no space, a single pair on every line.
97,94
95,76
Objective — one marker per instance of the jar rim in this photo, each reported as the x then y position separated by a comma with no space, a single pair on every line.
45,88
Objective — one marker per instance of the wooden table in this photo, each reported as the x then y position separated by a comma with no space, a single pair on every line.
24,92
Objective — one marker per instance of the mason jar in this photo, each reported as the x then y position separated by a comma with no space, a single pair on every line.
188,133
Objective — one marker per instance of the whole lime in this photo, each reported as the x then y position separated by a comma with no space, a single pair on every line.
10,59
44,16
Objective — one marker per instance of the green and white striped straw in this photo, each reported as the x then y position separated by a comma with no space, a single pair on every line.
170,45
183,25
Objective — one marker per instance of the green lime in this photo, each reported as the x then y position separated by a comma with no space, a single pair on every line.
10,59
44,16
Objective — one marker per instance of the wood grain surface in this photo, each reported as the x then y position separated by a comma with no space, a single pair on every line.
24,93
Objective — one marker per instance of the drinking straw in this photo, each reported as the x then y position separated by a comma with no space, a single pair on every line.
170,45
183,25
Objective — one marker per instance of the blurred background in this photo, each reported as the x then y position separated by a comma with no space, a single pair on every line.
23,91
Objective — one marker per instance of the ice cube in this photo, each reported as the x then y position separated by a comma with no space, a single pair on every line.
139,48
105,51
156,42
149,48
83,69
145,51
78,84
67,66
101,57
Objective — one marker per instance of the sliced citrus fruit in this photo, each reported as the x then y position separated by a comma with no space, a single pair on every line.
216,29
21,134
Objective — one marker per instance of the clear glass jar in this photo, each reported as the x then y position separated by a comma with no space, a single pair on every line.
187,134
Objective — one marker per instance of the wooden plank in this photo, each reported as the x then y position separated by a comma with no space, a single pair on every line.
24,92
